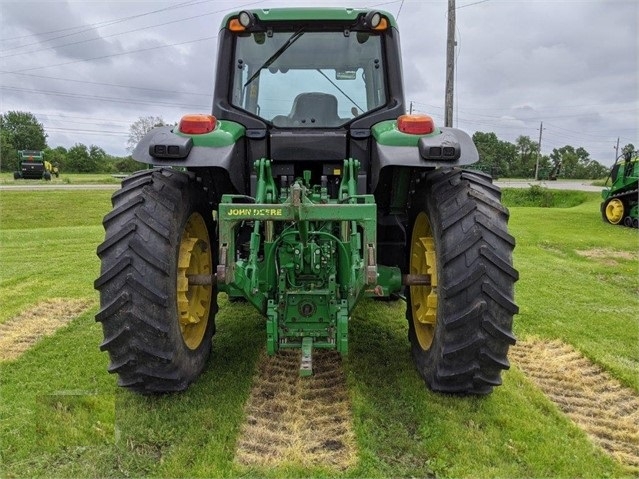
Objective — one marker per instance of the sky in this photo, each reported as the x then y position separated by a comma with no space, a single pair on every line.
89,69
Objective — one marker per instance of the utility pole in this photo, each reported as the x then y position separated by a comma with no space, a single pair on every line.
541,128
450,64
617,151
410,111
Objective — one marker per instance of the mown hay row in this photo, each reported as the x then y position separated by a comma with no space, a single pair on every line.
304,422
21,332
606,410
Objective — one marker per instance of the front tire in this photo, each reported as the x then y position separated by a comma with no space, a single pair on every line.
460,326
157,326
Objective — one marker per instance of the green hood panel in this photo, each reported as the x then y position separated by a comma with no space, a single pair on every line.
386,133
226,133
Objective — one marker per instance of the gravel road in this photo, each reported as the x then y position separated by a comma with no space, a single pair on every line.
580,185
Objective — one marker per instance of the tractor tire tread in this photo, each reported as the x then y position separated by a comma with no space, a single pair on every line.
136,284
475,282
121,210
116,238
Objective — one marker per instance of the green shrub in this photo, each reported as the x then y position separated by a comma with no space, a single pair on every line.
538,196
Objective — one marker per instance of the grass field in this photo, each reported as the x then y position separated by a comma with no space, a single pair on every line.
64,178
61,414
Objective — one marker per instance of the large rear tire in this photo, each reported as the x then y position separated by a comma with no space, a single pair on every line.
157,327
460,326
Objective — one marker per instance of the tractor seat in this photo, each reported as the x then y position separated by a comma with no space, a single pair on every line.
312,110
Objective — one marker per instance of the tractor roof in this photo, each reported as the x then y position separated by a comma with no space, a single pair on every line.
306,14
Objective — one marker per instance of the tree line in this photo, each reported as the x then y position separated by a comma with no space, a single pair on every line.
22,131
519,160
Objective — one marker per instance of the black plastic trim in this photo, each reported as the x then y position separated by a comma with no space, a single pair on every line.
385,156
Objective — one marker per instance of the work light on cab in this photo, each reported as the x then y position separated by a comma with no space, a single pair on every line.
375,21
197,124
246,19
415,124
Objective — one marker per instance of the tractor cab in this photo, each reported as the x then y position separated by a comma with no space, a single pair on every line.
301,79
309,88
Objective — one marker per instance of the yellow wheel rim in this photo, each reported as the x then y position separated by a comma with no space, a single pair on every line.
614,211
423,260
194,301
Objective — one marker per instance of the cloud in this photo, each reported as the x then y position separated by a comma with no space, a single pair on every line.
81,41
571,64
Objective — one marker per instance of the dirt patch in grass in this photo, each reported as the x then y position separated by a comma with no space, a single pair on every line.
298,421
607,411
606,256
23,331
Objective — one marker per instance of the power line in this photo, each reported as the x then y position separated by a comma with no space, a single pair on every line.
114,55
469,111
135,30
536,110
88,40
400,10
93,97
582,132
81,130
131,87
64,117
94,26
471,4
382,4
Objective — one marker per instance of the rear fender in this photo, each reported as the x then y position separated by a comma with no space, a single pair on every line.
422,152
219,149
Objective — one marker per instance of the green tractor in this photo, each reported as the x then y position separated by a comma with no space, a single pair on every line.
33,166
307,190
620,200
